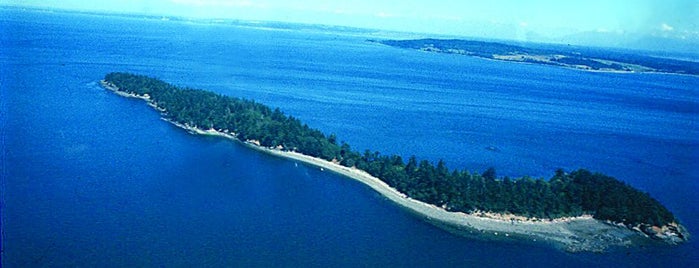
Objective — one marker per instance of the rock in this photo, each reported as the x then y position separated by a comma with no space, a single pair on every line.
493,149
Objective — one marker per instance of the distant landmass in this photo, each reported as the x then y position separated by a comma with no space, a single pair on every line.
569,57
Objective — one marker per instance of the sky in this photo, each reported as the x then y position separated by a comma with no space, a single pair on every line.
535,20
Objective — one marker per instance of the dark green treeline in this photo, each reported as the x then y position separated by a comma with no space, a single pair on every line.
565,194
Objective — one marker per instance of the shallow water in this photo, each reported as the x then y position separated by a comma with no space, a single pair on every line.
93,179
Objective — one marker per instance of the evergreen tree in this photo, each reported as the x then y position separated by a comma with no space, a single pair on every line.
565,194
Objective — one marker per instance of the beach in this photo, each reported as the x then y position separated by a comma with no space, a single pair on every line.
573,234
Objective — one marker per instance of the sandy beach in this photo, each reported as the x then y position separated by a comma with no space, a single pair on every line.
573,234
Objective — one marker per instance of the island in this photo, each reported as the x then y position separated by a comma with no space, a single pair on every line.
581,58
574,211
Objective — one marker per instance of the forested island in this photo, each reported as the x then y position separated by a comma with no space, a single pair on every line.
566,195
577,58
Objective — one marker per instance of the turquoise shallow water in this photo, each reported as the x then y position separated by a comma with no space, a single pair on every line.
93,179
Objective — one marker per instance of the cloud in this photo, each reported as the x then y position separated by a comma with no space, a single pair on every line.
341,11
443,17
385,15
217,3
666,28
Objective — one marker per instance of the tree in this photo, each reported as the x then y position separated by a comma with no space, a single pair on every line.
565,194
489,174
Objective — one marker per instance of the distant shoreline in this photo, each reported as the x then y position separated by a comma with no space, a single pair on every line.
589,61
604,71
573,234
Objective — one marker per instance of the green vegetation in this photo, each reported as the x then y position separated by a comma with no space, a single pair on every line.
566,194
558,55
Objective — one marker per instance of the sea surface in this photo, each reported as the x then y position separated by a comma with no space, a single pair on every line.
92,179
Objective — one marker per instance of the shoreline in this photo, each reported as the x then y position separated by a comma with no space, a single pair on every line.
564,66
572,234
642,69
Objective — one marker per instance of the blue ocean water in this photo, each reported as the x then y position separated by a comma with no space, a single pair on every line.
93,179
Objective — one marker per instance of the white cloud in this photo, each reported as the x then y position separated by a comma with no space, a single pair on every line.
341,11
666,28
217,3
443,17
384,15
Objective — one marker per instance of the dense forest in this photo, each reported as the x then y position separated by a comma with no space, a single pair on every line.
565,194
594,58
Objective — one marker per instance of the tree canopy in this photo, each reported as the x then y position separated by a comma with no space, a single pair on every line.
565,194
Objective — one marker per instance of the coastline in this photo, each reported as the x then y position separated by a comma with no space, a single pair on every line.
638,69
573,234
565,66
570,67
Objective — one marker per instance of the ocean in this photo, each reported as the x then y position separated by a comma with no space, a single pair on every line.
93,179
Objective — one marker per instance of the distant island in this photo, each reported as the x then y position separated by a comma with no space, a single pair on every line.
575,211
588,59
